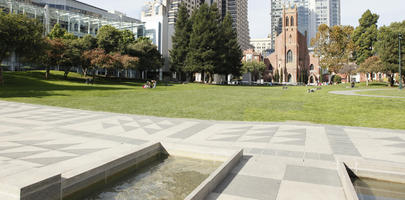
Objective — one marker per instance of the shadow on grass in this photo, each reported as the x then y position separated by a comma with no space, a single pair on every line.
32,84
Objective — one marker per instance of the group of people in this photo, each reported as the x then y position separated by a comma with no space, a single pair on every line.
150,84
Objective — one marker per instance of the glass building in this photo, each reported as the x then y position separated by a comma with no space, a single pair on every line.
74,16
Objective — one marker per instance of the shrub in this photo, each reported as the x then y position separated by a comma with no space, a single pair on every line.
337,79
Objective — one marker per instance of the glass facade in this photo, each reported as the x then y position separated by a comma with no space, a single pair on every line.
76,17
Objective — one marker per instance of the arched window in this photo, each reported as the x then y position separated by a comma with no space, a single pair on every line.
289,56
287,21
292,21
311,67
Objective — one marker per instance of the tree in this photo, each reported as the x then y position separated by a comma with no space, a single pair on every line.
255,68
21,35
98,58
371,65
53,54
230,52
109,38
277,76
56,32
127,37
365,36
204,42
387,48
348,69
85,43
71,55
181,40
333,46
147,53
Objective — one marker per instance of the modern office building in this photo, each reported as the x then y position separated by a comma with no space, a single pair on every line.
238,9
76,17
173,9
311,13
155,17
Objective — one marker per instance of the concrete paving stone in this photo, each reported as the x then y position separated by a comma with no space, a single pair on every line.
188,132
249,187
293,154
290,190
312,175
217,196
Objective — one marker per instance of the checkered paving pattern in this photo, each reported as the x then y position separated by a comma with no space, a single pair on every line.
278,156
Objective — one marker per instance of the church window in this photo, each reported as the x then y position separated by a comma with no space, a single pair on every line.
289,56
292,21
287,21
311,67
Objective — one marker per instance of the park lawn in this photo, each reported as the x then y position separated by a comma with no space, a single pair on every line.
235,103
394,92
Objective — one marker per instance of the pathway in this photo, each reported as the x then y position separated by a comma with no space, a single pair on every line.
282,160
354,93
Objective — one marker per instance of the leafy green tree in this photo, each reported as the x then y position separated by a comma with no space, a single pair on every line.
57,32
21,35
203,50
230,52
365,36
109,38
127,37
387,48
255,68
277,76
148,54
181,40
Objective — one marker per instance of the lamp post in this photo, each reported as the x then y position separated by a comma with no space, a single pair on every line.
400,60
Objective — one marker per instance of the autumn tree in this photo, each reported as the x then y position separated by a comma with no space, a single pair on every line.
371,65
334,46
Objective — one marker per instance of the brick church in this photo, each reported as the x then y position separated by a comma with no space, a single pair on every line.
291,56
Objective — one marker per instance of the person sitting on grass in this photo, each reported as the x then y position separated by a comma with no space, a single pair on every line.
154,84
147,85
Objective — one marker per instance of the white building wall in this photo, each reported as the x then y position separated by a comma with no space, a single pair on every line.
156,24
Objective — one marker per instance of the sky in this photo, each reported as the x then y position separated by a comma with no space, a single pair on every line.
259,11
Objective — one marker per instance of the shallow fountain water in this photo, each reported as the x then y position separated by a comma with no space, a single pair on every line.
170,178
371,189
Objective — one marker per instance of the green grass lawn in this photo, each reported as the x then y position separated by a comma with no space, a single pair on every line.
207,101
389,92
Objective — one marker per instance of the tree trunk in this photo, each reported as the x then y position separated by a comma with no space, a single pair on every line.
65,75
47,73
367,79
1,75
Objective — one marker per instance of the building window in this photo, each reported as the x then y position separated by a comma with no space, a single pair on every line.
311,67
292,21
289,56
286,21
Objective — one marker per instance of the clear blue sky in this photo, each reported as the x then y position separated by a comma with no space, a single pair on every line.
259,11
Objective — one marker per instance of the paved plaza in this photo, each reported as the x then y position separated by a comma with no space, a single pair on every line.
283,161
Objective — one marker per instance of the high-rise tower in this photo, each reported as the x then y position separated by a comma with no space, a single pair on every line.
311,13
238,9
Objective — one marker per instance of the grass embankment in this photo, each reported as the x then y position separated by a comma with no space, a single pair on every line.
207,101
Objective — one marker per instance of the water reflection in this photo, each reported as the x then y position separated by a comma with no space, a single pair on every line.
370,189
171,179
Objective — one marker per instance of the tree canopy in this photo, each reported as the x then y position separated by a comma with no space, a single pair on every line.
365,36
